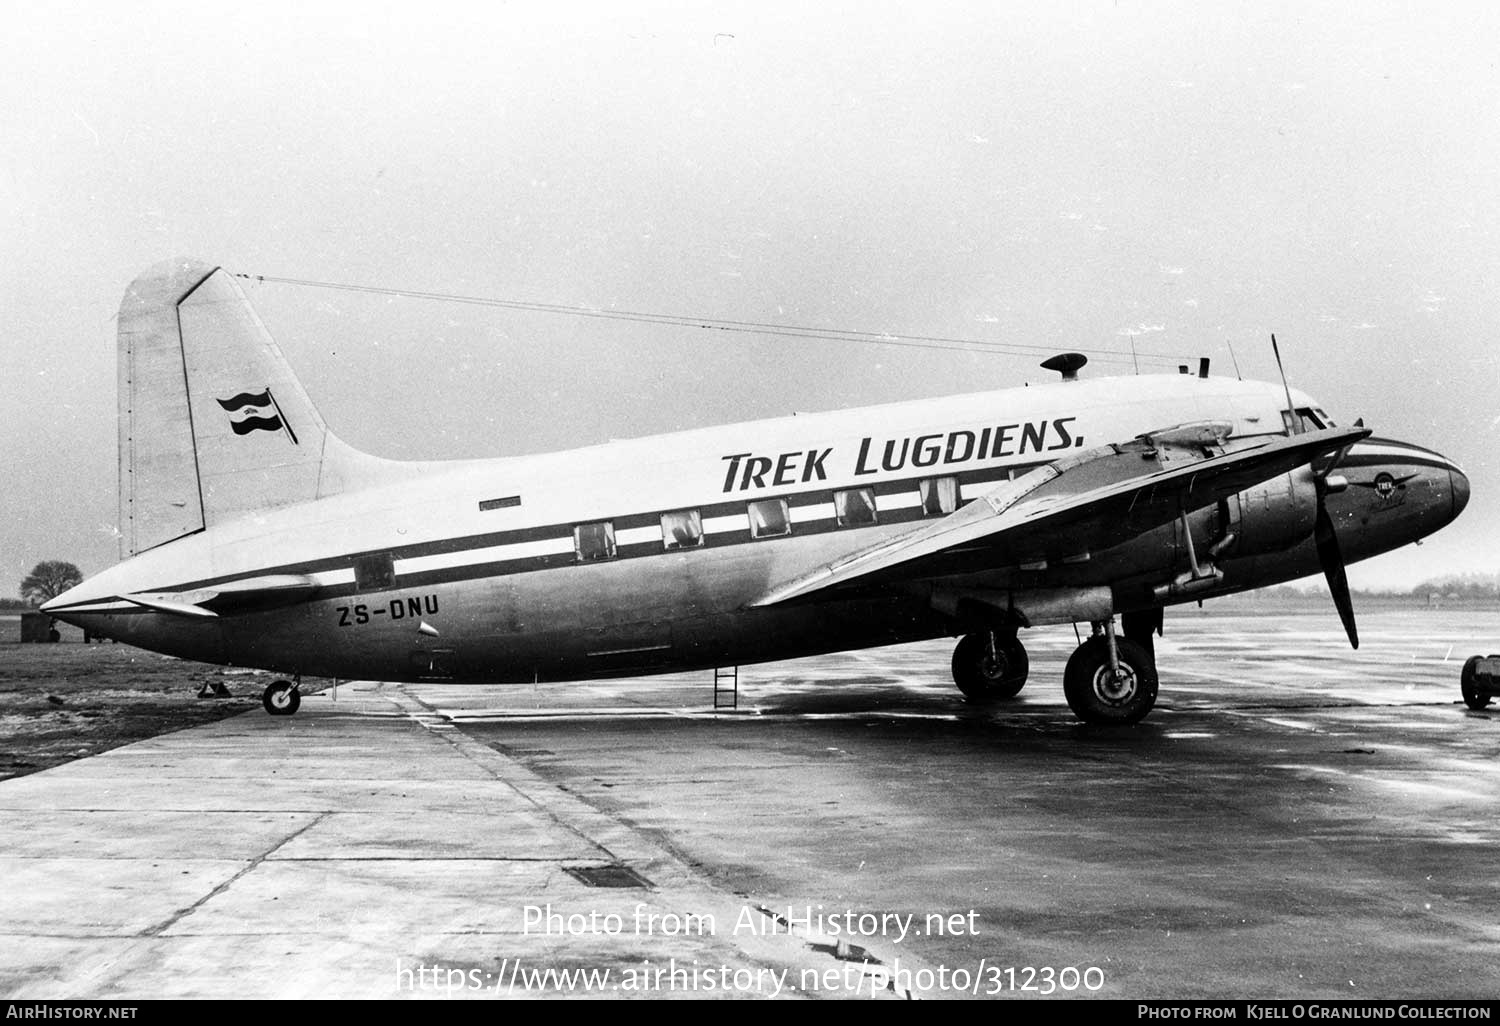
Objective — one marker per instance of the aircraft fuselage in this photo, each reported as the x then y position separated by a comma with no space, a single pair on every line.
644,555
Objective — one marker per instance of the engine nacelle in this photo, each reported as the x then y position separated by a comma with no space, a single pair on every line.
1272,516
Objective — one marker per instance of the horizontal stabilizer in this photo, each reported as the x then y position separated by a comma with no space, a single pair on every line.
251,595
256,594
1086,502
168,603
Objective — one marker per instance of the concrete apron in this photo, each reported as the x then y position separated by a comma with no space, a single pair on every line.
364,848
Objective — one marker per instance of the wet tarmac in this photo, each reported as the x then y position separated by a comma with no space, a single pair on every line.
1292,821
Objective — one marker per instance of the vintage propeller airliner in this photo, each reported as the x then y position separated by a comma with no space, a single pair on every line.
252,536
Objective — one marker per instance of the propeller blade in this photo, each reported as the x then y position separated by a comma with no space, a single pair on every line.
1332,559
1329,553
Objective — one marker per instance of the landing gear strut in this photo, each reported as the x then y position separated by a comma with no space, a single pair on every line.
1142,627
990,666
281,698
1110,679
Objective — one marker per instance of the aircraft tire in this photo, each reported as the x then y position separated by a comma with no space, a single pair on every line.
982,679
281,698
1095,698
1468,684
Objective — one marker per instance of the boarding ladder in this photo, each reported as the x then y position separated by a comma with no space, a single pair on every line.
726,687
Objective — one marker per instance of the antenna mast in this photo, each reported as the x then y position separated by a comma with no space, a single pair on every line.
1291,409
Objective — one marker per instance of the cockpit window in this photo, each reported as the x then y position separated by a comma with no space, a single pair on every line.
1308,419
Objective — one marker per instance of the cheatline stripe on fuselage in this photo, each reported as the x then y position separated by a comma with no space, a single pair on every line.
551,546
1380,451
725,523
1364,460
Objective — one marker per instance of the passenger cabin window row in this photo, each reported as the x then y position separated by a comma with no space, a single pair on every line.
768,518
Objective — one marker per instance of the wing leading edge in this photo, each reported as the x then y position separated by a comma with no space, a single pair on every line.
1083,503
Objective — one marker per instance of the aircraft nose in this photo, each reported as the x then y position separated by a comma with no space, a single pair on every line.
1458,483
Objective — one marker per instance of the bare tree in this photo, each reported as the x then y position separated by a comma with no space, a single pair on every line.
49,579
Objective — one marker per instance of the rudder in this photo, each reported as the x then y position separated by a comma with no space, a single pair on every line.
213,424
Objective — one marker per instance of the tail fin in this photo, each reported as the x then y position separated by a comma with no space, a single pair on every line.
213,423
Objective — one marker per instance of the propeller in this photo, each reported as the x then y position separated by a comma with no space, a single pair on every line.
1330,556
1332,559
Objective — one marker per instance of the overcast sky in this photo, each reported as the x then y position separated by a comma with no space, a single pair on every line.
1180,177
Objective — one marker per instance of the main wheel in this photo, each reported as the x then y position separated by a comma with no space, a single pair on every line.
281,698
990,677
1096,695
1468,683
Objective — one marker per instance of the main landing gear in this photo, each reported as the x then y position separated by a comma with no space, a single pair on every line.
281,698
1110,679
990,666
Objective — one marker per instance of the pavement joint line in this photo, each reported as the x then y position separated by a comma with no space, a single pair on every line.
183,913
268,857
675,882
484,757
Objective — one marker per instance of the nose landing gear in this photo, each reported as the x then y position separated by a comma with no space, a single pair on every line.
1110,679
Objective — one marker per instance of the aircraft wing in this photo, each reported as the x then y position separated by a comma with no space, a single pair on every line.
1078,505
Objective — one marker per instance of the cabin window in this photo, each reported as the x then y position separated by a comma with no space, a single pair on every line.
508,502
682,529
768,518
939,495
375,572
594,541
854,506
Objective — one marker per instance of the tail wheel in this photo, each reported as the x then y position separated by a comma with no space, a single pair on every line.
1468,684
1097,694
984,674
281,698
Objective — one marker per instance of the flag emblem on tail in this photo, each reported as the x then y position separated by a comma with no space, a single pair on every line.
255,411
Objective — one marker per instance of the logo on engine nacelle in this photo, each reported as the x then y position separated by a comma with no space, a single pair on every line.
1390,491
